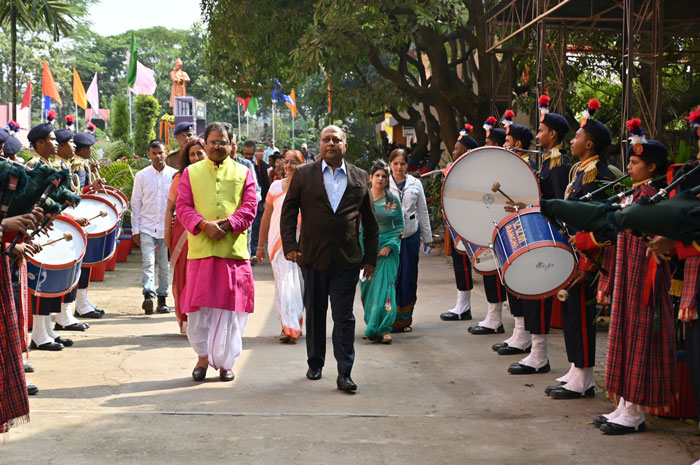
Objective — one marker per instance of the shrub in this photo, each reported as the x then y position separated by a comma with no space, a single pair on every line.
147,109
119,118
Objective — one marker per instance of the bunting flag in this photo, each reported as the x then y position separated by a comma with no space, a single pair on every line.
79,97
48,86
27,97
132,57
93,96
291,103
253,106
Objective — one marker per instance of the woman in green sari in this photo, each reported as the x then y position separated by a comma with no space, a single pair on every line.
379,292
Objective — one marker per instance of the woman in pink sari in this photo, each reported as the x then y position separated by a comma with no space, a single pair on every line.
175,233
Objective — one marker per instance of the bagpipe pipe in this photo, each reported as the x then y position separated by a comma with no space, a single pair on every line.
677,217
39,187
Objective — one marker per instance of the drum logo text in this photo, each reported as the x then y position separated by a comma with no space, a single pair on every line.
544,266
516,235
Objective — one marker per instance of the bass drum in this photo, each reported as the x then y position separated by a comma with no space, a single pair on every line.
471,208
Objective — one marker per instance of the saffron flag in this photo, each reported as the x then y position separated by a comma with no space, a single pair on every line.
27,97
292,103
79,97
93,96
133,59
48,86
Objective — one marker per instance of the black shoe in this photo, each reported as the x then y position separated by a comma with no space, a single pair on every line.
549,389
28,367
479,330
510,350
562,393
600,420
345,383
226,375
449,316
520,369
615,429
147,305
499,345
32,390
91,314
52,346
162,307
74,327
199,373
64,340
314,373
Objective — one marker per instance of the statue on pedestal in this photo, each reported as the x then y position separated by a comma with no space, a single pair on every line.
179,79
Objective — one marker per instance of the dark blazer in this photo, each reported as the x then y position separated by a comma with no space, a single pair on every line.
327,237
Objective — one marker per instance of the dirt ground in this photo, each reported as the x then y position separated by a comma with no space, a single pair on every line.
123,394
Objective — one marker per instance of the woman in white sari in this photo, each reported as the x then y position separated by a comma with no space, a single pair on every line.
289,286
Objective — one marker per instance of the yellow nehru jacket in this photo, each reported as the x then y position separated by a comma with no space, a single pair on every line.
217,192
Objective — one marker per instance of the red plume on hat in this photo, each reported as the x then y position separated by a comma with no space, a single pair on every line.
70,122
694,117
51,116
591,109
90,128
636,133
489,124
13,127
468,128
544,105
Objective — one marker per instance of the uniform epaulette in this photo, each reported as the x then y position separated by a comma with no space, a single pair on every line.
590,170
78,163
555,158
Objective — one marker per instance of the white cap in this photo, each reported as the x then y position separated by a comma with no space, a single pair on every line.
304,146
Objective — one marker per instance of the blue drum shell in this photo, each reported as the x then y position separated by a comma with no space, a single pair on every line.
52,282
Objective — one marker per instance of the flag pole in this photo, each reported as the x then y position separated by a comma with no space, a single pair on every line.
131,129
293,119
239,120
273,122
77,127
247,122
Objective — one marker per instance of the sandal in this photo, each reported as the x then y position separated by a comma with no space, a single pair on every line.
386,339
284,337
405,329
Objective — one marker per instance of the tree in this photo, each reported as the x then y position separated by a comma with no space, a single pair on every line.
54,15
119,118
147,109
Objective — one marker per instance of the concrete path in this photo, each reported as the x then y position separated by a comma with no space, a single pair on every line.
123,395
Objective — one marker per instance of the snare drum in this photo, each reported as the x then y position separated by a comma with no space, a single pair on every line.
102,231
55,270
111,197
534,259
112,191
457,242
471,208
482,258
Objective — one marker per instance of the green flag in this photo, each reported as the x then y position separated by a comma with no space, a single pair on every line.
253,106
133,57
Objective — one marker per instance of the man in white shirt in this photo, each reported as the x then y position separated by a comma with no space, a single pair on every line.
148,202
269,151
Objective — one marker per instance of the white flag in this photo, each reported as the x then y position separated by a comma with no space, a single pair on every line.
93,96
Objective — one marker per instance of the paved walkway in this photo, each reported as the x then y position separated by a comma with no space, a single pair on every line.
123,395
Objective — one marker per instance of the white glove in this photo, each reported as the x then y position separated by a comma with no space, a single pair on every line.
425,248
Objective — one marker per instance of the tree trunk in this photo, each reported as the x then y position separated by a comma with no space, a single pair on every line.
13,64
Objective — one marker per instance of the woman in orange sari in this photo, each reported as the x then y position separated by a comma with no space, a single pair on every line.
175,233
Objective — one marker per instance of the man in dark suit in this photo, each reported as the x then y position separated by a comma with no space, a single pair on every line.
334,198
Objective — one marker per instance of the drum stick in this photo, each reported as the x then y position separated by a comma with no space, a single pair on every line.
101,213
67,236
431,173
497,188
563,295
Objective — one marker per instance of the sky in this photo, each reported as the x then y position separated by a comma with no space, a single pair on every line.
110,17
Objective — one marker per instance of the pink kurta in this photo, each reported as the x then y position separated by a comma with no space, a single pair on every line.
215,282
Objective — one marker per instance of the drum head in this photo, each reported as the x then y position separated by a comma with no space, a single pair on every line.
89,207
485,261
113,199
470,207
63,252
539,272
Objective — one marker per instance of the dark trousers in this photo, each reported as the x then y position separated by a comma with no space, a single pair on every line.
536,313
462,267
692,353
339,285
578,319
84,281
255,228
495,291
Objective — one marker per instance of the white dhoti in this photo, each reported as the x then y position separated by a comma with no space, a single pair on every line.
289,294
217,334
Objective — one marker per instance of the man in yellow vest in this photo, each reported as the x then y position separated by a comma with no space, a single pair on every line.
216,203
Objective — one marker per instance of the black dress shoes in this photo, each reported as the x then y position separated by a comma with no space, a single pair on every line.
32,390
449,316
548,390
52,346
510,350
479,330
314,373
615,429
199,373
499,345
73,327
520,369
345,383
600,420
147,305
64,340
92,314
226,375
562,393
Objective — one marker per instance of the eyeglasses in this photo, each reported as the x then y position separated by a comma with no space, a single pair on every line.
291,162
222,143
